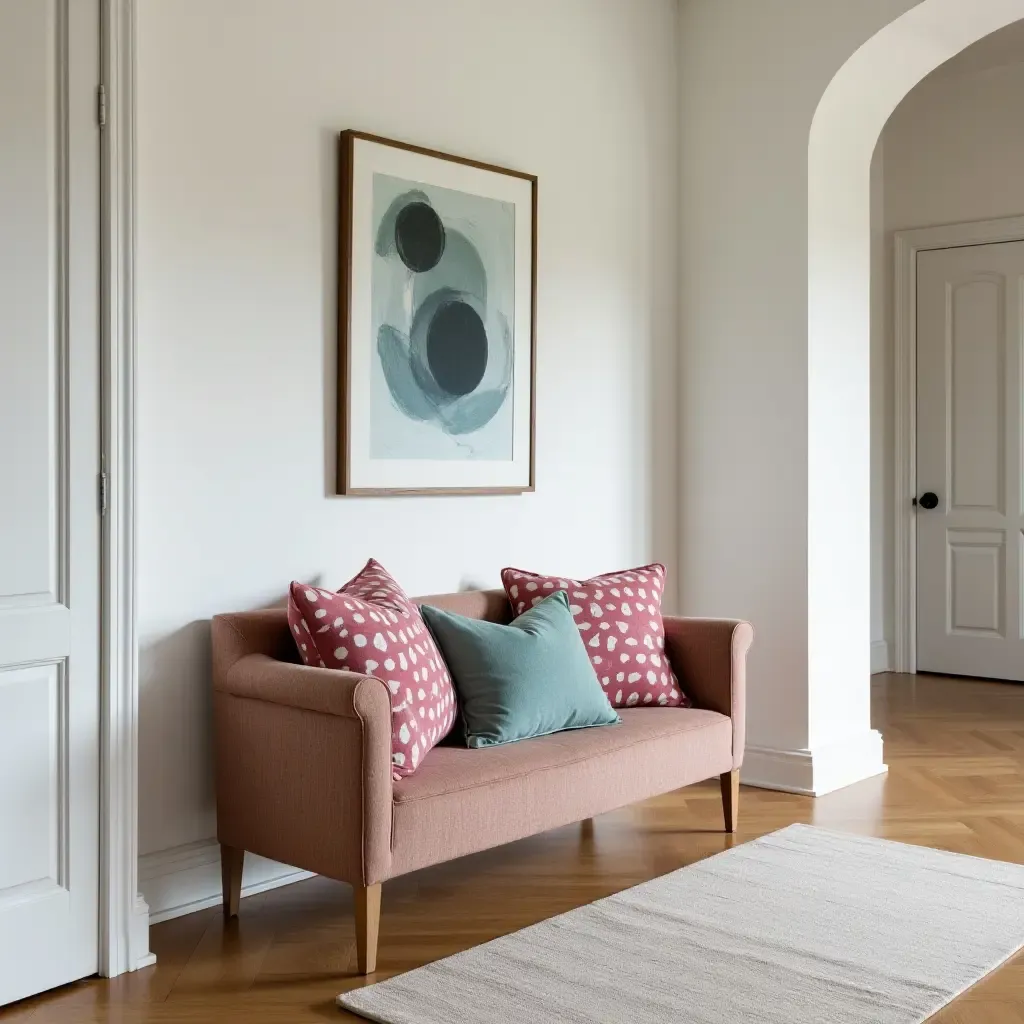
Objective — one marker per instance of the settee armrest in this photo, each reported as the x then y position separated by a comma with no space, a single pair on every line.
303,766
710,658
330,691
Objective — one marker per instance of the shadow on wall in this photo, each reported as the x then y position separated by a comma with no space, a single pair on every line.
175,766
176,802
176,798
329,292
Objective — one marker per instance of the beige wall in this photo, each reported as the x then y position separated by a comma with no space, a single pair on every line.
954,150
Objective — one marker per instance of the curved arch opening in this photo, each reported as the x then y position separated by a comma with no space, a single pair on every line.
845,129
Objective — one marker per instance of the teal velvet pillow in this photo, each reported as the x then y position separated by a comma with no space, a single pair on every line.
530,678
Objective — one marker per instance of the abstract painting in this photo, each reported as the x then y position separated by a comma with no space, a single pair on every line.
437,350
443,290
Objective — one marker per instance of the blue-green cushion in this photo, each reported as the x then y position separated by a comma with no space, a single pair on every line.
530,678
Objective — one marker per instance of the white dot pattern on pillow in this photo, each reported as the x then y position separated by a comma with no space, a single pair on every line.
370,626
619,618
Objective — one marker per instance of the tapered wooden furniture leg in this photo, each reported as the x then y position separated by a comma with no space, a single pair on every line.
231,861
367,926
731,799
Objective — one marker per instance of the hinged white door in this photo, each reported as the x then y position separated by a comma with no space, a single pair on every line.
49,522
970,417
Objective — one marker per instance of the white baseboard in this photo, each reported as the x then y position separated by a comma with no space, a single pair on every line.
186,878
815,772
139,955
881,660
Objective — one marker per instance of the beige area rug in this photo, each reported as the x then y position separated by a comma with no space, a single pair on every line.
802,926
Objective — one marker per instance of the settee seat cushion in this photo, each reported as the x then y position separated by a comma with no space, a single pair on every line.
461,801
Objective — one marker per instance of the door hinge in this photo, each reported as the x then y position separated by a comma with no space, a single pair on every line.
101,105
102,482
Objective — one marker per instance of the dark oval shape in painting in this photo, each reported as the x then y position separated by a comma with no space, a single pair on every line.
457,348
419,237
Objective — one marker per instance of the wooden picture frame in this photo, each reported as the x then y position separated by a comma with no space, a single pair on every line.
437,312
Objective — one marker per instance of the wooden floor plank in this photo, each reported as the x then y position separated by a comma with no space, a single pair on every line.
956,782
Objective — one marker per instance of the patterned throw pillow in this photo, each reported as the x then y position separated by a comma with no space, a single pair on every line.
619,617
370,626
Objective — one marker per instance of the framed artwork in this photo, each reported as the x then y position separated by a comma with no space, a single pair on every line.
437,320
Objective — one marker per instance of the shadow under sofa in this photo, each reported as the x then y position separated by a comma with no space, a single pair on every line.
303,760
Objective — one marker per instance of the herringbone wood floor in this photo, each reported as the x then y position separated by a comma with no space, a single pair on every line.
956,754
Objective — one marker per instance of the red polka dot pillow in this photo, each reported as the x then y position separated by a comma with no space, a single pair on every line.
370,626
619,618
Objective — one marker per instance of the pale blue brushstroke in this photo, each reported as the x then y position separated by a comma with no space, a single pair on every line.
393,350
460,268
473,412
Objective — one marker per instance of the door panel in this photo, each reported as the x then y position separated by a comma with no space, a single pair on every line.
970,417
31,750
975,379
977,578
49,524
28,294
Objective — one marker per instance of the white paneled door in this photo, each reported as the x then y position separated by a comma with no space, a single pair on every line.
49,521
970,420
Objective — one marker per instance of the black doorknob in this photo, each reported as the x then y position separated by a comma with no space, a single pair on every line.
929,500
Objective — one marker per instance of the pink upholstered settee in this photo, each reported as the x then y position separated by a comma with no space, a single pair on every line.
303,760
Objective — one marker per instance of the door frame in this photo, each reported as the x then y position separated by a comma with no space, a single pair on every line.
124,915
906,246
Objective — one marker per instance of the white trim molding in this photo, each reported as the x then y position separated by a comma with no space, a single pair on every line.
880,660
124,916
815,772
906,245
187,878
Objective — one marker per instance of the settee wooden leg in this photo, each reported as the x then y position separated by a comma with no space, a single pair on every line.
231,861
731,799
367,926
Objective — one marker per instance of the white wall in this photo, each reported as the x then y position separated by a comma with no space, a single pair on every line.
882,429
782,107
953,150
239,102
239,105
751,81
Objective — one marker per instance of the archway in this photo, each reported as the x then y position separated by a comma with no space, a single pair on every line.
846,125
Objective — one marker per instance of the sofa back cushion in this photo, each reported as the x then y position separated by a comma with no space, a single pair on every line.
267,631
370,626
489,605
